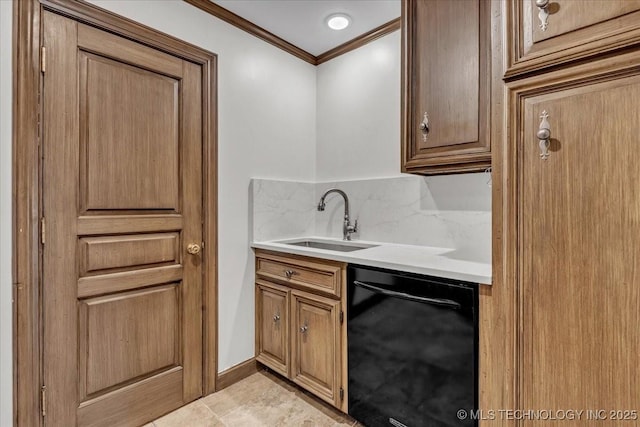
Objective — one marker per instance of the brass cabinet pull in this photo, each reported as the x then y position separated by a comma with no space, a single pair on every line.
543,13
544,135
424,126
193,248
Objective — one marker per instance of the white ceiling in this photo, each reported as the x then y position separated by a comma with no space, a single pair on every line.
302,22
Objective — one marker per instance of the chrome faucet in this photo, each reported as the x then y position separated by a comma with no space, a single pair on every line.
347,228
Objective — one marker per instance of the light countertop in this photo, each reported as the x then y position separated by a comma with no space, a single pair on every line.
432,261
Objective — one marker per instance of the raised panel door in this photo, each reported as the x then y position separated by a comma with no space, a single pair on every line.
122,199
315,345
272,326
560,31
579,298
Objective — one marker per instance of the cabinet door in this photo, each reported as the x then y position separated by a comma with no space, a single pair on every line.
272,326
566,30
315,345
578,252
446,83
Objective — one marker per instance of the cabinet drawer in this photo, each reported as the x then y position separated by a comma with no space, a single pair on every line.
299,272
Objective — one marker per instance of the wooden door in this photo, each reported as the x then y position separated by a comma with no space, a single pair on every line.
315,345
579,254
447,86
566,30
272,326
122,200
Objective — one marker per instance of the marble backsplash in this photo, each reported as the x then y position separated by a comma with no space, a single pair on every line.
452,211
281,209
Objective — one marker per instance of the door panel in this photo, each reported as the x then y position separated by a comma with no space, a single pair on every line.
316,344
575,29
567,16
141,337
451,30
272,321
103,253
122,197
128,136
580,224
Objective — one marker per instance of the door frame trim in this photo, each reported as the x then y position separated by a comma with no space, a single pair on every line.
26,174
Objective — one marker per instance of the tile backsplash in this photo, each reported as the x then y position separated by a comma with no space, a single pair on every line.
452,211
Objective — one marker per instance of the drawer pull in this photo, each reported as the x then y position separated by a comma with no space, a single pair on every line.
276,317
544,136
424,127
543,13
290,273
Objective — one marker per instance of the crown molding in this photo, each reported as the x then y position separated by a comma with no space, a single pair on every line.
259,32
360,41
251,28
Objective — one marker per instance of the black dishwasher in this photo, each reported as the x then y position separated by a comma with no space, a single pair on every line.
412,349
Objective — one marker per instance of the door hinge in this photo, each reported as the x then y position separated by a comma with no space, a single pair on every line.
43,230
341,316
43,59
43,400
341,393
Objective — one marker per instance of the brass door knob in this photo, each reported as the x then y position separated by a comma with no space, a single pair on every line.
193,248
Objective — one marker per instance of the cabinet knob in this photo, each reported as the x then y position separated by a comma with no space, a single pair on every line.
304,329
289,273
544,135
424,126
276,317
543,13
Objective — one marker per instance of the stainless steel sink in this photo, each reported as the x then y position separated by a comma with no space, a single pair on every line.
331,246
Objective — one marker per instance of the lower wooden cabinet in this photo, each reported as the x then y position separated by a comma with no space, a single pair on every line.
315,344
301,334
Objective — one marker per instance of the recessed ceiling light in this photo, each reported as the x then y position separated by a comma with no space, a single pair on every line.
338,21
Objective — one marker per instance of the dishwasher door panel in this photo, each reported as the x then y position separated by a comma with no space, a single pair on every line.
412,349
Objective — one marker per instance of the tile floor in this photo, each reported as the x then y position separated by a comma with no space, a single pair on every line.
261,400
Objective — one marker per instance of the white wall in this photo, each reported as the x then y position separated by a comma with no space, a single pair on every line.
359,113
6,361
266,113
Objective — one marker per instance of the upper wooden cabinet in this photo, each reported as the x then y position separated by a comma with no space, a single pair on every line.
446,86
546,33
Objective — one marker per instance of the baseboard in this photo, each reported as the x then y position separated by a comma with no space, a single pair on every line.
236,373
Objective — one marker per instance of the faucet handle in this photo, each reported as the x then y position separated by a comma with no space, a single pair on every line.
355,226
